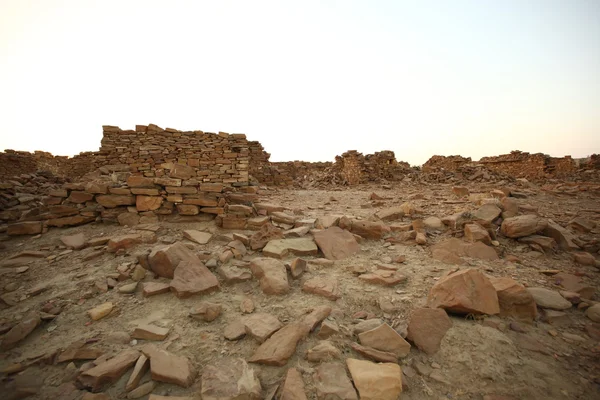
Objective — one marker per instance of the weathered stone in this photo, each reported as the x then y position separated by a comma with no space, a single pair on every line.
336,243
112,200
547,298
272,275
163,260
235,330
206,311
593,312
564,238
100,311
154,288
232,274
390,214
188,209
261,325
197,236
266,234
181,171
331,382
323,351
434,224
328,329
150,332
466,291
148,203
427,327
322,286
584,258
279,248
486,214
376,355
370,230
385,338
142,390
169,368
544,242
128,219
477,233
124,242
297,267
142,365
460,191
20,331
383,277
78,351
109,371
24,228
514,300
192,277
523,225
574,284
376,381
138,181
70,221
293,386
230,378
76,242
367,325
80,197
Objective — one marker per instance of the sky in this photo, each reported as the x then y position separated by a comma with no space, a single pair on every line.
308,79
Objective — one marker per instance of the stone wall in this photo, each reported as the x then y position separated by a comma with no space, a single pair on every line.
22,162
355,168
525,165
447,163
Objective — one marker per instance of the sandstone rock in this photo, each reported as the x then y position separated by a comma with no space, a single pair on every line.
109,371
376,355
163,260
192,277
331,382
150,332
297,267
232,274
370,230
547,298
78,351
169,368
20,331
367,325
545,243
390,214
383,277
280,346
293,386
385,338
510,206
70,221
128,288
451,250
261,326
584,258
562,236
336,243
581,224
434,224
272,275
197,236
24,228
427,328
573,283
76,242
112,200
466,291
327,221
142,390
476,233
323,351
230,378
181,171
128,219
486,214
279,248
80,197
188,209
247,306
460,191
376,381
148,203
136,181
322,286
514,300
142,365
235,330
593,312
138,273
154,288
100,311
266,233
523,225
117,243
328,329
206,311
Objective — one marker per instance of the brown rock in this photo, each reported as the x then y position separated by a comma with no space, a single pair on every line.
232,274
272,275
331,382
370,230
79,197
376,381
112,200
142,365
261,326
280,346
235,330
564,238
385,338
150,332
163,260
584,258
383,277
24,228
336,243
192,277
206,311
427,328
109,371
390,214
466,291
323,351
293,386
297,267
117,243
523,225
128,219
230,378
322,286
169,368
188,209
328,329
154,288
197,236
266,233
137,181
547,298
460,191
545,243
573,283
476,233
78,351
279,248
76,242
181,171
486,214
100,311
20,331
514,300
148,203
376,355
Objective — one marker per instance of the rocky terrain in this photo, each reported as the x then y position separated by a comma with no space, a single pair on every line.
459,289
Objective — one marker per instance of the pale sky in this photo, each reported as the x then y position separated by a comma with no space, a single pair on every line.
308,79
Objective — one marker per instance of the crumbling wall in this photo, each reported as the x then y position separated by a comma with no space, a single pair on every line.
14,163
525,165
447,163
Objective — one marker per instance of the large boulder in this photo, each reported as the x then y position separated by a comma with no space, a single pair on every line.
546,298
466,292
523,225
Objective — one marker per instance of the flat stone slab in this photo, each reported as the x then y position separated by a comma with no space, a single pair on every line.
197,236
280,248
